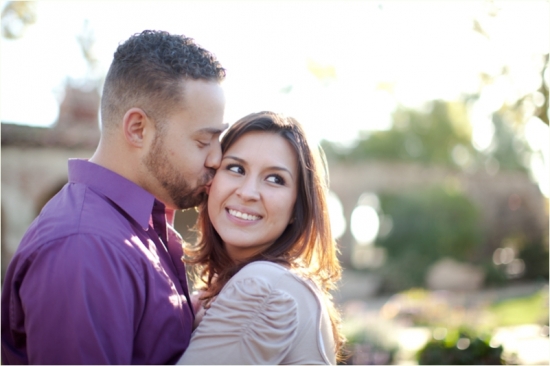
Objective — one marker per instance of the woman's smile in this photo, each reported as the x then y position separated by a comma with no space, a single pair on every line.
243,215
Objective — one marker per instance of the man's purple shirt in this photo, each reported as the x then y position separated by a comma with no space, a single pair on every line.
92,283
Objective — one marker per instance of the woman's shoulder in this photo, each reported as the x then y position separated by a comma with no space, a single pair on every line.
261,269
275,274
272,280
256,282
264,284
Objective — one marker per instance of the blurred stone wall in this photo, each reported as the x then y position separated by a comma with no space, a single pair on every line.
509,202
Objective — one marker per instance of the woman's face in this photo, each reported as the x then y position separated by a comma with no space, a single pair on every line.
253,193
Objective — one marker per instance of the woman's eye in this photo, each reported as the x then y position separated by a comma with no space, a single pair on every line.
235,168
277,179
203,144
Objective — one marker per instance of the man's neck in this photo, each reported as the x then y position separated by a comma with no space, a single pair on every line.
114,157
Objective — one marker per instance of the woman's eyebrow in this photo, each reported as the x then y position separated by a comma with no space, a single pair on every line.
274,167
234,158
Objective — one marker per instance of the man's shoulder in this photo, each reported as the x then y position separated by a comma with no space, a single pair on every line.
76,211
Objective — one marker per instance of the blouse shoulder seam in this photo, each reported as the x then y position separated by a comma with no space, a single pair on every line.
275,284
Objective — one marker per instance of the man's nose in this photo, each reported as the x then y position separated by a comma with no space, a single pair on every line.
214,158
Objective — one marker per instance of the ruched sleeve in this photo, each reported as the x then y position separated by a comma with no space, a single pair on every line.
250,322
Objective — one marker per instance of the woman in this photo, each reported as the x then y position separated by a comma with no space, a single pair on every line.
265,252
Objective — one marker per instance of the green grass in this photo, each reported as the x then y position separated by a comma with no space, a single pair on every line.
526,310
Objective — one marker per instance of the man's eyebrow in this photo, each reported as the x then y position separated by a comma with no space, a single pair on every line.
212,130
242,161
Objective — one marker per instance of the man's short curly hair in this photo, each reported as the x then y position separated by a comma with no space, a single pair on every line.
147,71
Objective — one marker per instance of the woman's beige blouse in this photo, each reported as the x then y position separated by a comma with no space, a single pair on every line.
264,315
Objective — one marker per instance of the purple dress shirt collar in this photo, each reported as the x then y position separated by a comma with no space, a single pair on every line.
134,200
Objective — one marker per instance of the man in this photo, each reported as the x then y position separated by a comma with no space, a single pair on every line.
98,276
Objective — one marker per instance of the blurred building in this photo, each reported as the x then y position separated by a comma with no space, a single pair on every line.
34,161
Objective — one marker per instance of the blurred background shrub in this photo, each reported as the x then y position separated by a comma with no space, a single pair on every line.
461,347
428,225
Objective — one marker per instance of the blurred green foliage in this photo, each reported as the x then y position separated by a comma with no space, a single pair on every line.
369,341
427,225
507,149
494,275
462,347
438,135
535,255
426,136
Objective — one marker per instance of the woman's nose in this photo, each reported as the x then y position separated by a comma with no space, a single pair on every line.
248,190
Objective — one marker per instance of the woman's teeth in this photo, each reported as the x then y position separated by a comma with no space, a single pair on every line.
244,216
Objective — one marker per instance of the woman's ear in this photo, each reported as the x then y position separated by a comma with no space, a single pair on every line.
134,124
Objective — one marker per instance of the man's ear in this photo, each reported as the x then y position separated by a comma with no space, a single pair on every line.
134,125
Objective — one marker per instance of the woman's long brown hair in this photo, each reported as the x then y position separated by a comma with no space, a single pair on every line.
306,245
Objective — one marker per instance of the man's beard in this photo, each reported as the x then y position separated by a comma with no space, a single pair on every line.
178,188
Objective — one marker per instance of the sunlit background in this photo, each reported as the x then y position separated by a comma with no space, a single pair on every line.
433,116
